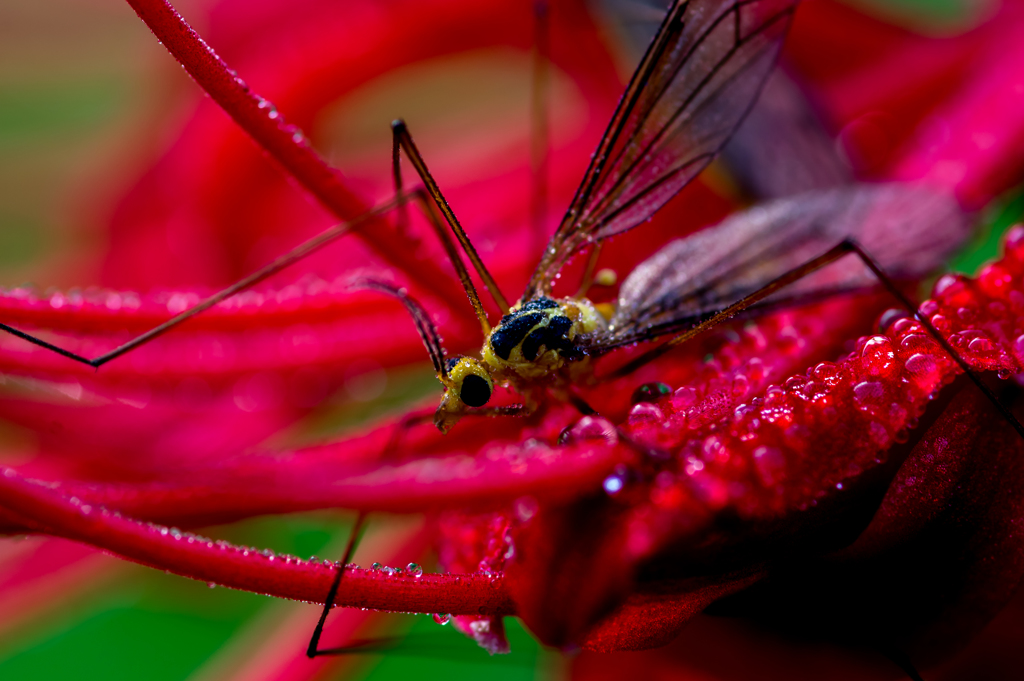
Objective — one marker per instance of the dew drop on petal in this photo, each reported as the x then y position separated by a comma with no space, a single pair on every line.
613,484
526,508
686,397
589,428
650,392
442,618
414,569
645,413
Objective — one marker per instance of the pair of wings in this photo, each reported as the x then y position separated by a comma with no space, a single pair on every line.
697,81
908,229
687,101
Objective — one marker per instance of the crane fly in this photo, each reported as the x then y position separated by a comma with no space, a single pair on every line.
694,86
698,80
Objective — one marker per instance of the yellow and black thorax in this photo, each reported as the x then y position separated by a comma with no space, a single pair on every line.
540,336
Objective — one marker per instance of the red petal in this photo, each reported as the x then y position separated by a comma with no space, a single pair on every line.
655,614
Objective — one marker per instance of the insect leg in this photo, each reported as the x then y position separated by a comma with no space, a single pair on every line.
846,247
780,282
540,124
901,660
453,256
313,649
396,175
293,256
912,309
588,273
508,410
404,140
405,423
584,408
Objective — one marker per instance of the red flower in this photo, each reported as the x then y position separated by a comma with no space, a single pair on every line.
874,483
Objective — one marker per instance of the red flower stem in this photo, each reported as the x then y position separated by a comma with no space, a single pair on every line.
243,568
286,143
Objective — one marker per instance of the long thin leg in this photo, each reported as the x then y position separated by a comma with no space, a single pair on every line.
846,247
401,133
396,175
453,256
588,273
398,432
312,650
901,660
277,265
912,309
786,279
540,128
583,407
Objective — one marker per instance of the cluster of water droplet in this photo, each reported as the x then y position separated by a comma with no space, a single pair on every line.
481,543
411,570
310,297
730,439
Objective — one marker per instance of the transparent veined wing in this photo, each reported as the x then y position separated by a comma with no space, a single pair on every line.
908,229
781,148
697,81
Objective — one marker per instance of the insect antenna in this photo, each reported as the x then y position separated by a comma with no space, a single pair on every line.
289,258
404,140
845,247
424,326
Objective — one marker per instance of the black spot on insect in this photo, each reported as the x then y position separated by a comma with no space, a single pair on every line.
542,303
475,391
512,332
552,336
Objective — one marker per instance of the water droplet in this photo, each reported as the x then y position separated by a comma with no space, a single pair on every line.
589,428
890,316
613,484
645,412
376,566
526,508
442,619
414,569
684,398
650,392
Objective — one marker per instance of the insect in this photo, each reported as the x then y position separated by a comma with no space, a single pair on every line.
536,351
699,78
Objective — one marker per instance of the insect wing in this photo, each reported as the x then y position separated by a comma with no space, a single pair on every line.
697,81
909,229
781,148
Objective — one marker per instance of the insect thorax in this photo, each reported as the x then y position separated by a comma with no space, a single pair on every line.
538,337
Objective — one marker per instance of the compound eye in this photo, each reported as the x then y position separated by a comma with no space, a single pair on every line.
475,391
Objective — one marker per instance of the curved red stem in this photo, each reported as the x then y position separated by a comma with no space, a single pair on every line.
42,509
